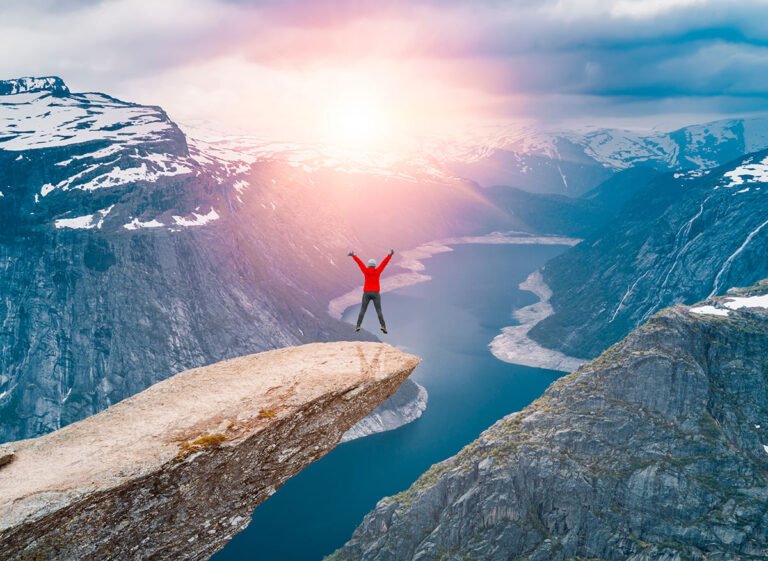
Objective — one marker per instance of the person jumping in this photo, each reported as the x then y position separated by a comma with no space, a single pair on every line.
371,287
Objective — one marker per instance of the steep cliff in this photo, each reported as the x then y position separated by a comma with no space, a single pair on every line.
681,238
656,450
175,471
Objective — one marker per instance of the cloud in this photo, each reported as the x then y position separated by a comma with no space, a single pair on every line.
543,58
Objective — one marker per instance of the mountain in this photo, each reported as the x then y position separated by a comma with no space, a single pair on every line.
572,162
658,449
129,251
683,237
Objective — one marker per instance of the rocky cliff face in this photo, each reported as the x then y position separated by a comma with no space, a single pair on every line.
658,449
684,237
175,471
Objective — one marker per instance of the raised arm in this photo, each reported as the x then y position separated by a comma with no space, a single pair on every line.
358,261
386,260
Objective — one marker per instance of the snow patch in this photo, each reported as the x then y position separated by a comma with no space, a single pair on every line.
37,120
749,173
738,302
85,222
709,311
136,224
198,219
149,168
79,223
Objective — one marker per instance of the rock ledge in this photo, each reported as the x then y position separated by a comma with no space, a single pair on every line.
175,471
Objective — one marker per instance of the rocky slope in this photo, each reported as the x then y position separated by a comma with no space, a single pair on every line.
680,239
129,252
656,450
175,471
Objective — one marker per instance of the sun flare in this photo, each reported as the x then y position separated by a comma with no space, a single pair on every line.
360,121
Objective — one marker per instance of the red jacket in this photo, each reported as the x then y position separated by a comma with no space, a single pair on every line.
372,273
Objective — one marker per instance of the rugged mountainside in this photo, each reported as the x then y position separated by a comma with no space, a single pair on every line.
175,471
129,253
574,162
683,237
658,449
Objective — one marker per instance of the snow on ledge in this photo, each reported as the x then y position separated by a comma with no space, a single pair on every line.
198,220
748,172
738,302
732,303
79,223
709,311
85,222
136,224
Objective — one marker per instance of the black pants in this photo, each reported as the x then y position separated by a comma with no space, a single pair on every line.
367,297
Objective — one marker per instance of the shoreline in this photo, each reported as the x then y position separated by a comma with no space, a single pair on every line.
513,344
411,261
405,406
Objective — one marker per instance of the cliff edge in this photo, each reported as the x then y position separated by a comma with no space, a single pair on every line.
656,450
176,470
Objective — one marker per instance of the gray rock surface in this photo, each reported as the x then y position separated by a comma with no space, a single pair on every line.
176,470
656,450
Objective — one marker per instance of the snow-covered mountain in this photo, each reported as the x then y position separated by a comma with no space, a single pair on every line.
128,253
573,162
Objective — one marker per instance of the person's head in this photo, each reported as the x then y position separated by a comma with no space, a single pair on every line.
371,262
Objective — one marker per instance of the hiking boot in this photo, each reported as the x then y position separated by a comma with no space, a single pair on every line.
383,329
357,328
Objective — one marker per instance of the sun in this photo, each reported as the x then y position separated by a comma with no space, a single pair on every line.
359,121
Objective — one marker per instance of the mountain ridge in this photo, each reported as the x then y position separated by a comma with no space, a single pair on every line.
32,84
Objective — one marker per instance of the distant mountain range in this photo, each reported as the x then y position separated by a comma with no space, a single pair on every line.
574,162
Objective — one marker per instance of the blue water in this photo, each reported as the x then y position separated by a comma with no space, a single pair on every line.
449,322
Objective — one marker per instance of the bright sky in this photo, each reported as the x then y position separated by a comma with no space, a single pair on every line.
375,73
